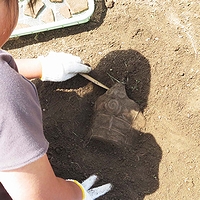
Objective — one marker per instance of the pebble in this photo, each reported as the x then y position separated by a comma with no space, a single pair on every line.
109,3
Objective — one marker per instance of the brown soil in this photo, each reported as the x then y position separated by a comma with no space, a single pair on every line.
152,47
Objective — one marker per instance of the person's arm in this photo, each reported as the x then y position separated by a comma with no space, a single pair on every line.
38,181
53,67
29,68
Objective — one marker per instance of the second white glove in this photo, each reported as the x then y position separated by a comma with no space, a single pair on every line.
92,193
61,66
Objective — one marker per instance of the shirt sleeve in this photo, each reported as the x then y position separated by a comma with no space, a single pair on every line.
22,139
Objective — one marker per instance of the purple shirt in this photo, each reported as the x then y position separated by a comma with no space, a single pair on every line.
22,139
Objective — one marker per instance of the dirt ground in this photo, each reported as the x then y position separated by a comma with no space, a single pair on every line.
153,48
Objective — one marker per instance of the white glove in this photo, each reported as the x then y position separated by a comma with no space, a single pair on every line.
91,194
61,66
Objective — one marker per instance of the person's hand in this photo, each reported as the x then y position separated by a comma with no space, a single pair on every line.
61,66
92,193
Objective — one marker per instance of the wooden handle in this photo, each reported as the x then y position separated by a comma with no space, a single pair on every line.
94,81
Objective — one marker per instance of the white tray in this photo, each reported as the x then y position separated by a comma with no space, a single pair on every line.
36,25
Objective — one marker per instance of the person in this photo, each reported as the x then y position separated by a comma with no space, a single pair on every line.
25,171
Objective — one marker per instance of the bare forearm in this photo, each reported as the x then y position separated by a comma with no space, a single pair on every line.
69,190
38,181
29,68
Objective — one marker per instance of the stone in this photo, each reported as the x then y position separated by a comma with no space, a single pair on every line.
77,6
65,12
36,9
48,16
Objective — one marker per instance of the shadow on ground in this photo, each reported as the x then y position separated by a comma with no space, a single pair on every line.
68,114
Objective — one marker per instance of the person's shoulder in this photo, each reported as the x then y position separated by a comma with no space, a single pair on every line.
9,77
6,60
